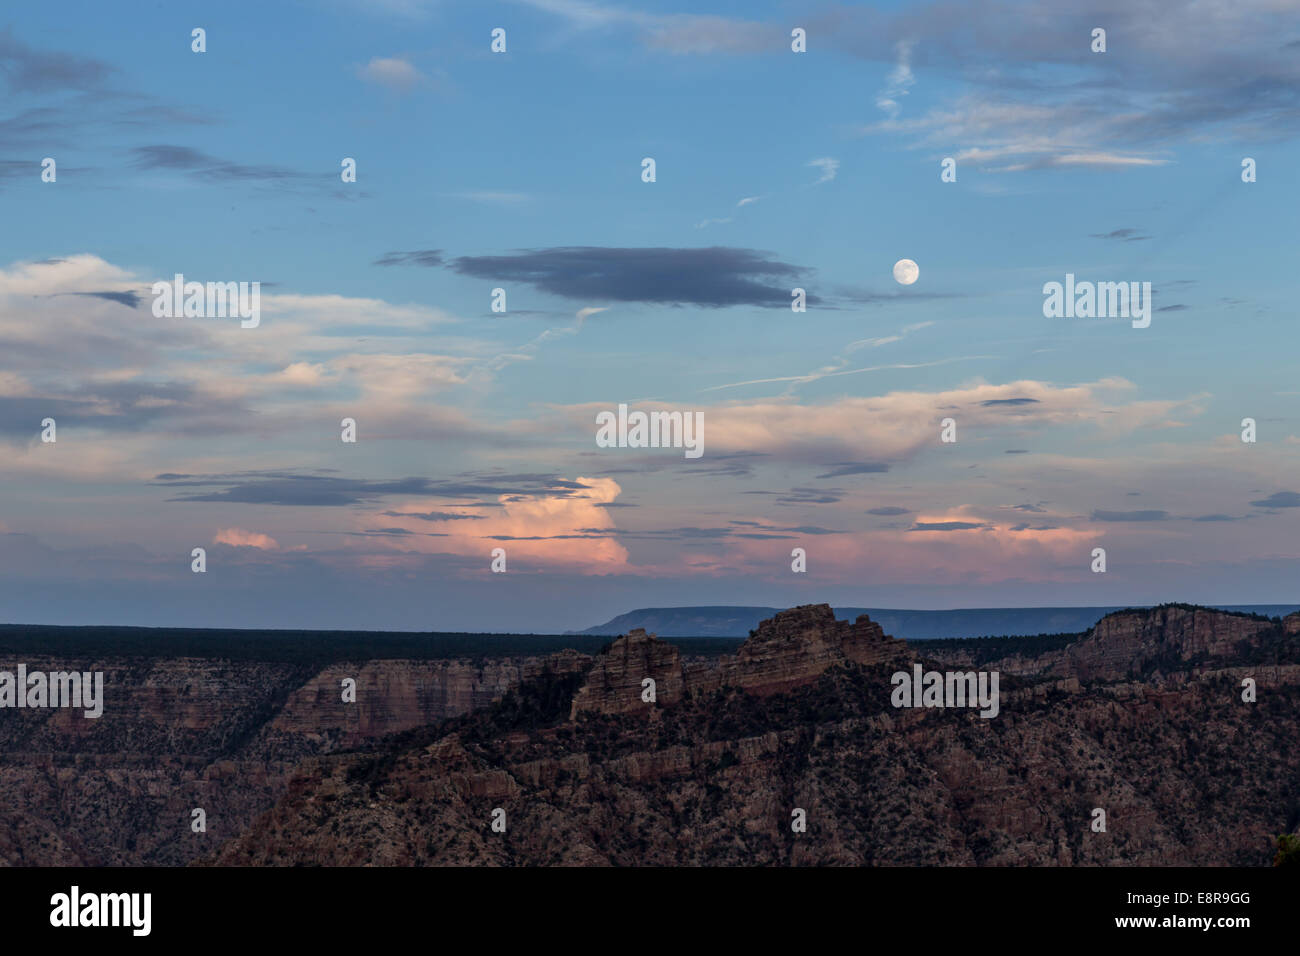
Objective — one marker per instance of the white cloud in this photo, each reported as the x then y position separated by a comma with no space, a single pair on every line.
303,373
392,72
1006,137
829,167
899,81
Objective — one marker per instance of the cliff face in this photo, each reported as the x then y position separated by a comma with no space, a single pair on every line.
798,645
1125,642
615,682
1142,717
393,696
790,650
181,733
1185,769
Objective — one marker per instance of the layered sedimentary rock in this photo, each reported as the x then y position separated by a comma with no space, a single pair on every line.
789,650
1144,716
396,695
184,733
615,683
1188,771
796,646
1125,642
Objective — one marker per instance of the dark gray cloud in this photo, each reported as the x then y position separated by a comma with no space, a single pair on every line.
121,407
760,532
28,70
60,99
420,257
16,168
383,532
35,124
1009,401
315,490
1279,499
307,490
128,299
803,496
1126,235
1129,515
713,277
1218,518
947,526
890,512
1028,507
1173,308
432,515
207,168
31,168
1016,451
839,469
738,464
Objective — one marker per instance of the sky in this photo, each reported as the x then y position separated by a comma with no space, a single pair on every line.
522,170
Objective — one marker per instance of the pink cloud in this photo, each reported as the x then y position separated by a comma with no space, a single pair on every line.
239,538
535,530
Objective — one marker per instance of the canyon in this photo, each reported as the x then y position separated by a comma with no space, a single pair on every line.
1143,716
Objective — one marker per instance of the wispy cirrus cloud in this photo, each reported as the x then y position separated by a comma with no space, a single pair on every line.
418,257
1147,515
899,81
26,69
829,167
674,33
491,196
201,166
1126,235
1032,95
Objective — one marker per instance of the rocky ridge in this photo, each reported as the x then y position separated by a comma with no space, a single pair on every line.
1187,771
1142,715
787,651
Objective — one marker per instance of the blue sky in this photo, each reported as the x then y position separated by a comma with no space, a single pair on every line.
522,170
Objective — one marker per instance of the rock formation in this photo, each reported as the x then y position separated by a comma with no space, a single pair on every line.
1125,642
1142,716
614,683
790,650
798,645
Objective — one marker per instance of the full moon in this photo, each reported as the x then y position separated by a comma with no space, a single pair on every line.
906,272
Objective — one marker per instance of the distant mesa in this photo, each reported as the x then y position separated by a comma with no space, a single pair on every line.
908,625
